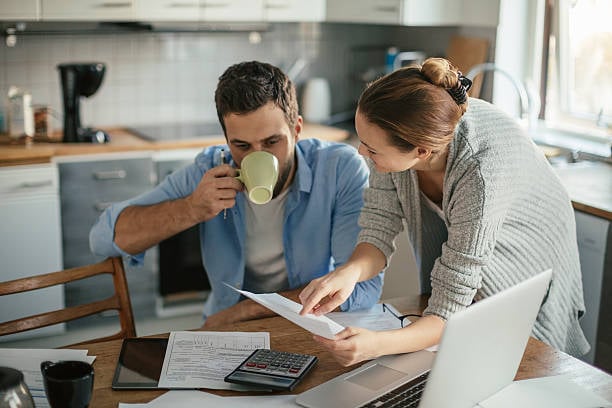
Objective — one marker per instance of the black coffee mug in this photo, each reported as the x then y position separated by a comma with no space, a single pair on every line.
68,384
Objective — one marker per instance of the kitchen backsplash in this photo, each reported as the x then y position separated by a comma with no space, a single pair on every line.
168,77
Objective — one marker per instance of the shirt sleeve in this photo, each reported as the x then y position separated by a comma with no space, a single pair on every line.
352,179
176,185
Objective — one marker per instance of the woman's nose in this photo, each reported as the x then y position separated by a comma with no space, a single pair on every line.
362,150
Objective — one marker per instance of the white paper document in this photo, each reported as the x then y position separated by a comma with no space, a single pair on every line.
290,310
203,359
545,392
28,362
190,399
376,318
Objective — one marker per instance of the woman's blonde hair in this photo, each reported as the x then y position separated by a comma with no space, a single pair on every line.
417,105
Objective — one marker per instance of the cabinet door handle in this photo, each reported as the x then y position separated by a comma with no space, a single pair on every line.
101,206
182,5
215,5
114,4
110,175
35,184
387,9
276,5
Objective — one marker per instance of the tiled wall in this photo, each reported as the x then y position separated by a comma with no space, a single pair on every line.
163,77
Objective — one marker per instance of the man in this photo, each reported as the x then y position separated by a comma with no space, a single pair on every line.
306,230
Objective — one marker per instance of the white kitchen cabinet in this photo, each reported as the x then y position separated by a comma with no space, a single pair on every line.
168,10
364,11
231,10
20,10
294,10
30,241
415,12
592,235
92,10
88,185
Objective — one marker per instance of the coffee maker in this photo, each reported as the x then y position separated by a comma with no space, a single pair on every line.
80,79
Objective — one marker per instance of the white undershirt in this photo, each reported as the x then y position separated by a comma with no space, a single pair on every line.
266,270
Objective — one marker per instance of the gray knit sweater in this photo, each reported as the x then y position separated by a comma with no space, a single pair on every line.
506,217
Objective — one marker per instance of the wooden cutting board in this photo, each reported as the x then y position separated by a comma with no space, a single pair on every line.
466,52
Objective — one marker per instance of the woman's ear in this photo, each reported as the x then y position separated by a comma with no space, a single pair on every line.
423,153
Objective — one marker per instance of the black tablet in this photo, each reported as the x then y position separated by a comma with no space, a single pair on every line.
140,363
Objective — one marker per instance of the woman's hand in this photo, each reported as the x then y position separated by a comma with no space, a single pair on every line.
331,289
352,345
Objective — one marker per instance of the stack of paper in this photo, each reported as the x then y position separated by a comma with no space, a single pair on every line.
189,399
28,362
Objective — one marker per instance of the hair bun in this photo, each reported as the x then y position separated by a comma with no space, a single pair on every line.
442,73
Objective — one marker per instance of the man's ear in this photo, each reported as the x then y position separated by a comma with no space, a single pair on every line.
299,123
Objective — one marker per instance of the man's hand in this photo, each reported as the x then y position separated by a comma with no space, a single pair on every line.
216,191
224,317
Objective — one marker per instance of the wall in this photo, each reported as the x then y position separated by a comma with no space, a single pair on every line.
162,77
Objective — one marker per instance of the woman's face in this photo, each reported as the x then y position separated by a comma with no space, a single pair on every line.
374,144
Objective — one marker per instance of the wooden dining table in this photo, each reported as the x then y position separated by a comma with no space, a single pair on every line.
539,360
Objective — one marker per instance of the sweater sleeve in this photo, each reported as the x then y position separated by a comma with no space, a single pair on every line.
381,215
475,213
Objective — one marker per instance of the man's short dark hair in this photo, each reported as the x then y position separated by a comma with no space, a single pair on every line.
247,86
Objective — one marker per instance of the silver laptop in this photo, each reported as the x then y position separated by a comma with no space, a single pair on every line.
479,354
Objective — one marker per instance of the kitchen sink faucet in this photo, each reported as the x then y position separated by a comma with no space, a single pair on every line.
530,101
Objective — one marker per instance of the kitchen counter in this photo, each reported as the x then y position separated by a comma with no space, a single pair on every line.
589,185
123,140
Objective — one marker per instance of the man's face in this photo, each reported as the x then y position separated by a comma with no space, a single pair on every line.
264,130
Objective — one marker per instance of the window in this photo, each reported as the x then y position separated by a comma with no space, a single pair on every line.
578,86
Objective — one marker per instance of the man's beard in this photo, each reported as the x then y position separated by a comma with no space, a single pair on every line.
282,177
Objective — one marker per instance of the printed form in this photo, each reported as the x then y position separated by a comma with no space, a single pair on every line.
203,359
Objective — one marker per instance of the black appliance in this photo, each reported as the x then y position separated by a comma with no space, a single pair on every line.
80,79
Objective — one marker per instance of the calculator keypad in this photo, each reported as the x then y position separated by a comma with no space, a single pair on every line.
277,363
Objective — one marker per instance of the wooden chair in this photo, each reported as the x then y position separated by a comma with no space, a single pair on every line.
120,301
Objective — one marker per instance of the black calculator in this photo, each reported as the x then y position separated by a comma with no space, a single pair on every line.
271,369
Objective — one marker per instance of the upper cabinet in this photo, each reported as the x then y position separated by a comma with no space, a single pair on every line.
415,12
392,12
19,10
294,10
168,10
364,11
90,10
231,10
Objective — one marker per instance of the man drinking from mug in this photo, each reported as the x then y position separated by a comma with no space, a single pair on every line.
307,229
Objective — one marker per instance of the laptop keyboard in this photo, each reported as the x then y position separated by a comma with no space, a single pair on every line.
406,395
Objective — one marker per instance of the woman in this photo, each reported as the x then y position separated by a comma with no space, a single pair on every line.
484,211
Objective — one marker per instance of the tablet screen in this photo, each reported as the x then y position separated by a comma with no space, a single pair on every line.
140,363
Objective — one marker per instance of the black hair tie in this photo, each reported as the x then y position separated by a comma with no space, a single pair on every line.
459,92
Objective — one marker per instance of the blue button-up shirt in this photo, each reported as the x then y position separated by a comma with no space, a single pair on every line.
320,225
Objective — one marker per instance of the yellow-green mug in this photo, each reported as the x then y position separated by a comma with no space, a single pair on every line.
258,172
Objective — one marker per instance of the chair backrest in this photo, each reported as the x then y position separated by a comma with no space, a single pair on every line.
119,301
